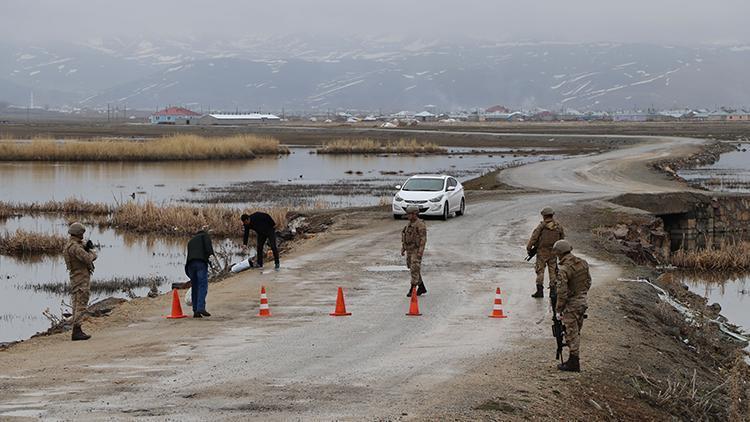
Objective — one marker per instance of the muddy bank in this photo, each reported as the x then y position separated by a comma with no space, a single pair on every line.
660,362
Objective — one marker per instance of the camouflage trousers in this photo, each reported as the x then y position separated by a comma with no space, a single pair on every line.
80,298
550,264
573,320
414,263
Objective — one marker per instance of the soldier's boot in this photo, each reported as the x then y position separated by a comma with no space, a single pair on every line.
408,294
421,289
78,334
572,364
539,291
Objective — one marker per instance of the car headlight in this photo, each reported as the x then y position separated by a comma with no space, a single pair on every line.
398,198
437,198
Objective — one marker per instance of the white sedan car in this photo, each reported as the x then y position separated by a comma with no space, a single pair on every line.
436,195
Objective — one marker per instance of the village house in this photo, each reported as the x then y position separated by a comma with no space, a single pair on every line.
174,116
739,117
425,116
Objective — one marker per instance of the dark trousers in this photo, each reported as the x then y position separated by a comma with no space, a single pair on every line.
197,271
271,239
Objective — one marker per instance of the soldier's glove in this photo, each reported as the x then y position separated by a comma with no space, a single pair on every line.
89,245
559,315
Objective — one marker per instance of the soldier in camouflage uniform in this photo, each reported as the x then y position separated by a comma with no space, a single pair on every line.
544,236
573,283
413,240
80,262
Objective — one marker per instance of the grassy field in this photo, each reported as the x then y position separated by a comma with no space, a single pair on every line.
372,146
168,148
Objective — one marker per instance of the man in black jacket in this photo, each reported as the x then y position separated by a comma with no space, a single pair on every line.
199,251
265,229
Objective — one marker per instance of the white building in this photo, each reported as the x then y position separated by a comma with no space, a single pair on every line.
238,119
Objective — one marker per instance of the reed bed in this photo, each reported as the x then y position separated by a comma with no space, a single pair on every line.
23,243
168,148
110,286
68,206
726,257
371,146
149,217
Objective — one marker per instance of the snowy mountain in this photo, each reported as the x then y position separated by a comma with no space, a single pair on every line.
304,74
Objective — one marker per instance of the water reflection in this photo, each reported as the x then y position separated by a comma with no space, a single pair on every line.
731,291
730,174
120,256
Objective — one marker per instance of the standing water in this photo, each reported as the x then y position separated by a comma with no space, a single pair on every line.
126,256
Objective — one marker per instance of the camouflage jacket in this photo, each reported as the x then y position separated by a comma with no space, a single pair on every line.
573,283
545,235
79,261
414,237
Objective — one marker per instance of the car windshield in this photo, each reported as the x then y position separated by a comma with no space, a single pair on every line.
424,185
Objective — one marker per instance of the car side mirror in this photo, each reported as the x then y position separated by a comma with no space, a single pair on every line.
398,187
451,188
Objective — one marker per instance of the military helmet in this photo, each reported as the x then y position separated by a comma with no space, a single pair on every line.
76,229
412,209
561,247
548,211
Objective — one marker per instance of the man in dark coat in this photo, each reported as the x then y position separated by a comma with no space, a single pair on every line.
265,229
199,251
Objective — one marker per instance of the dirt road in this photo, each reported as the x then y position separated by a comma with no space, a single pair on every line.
301,364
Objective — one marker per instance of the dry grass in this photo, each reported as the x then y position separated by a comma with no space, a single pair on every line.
27,243
371,146
168,148
739,390
681,395
726,257
149,217
68,206
113,285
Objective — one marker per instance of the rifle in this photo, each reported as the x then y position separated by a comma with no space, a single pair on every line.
558,328
532,253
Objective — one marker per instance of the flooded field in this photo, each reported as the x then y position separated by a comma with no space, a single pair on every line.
123,256
730,174
193,181
732,292
300,179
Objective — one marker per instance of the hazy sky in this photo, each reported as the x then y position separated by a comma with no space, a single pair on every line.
658,21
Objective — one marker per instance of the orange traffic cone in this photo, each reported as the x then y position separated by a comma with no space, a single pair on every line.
497,309
340,305
414,306
176,307
264,310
